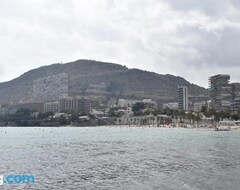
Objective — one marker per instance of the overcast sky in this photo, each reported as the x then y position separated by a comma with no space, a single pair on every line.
189,38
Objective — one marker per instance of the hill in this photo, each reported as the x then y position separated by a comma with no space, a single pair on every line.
87,77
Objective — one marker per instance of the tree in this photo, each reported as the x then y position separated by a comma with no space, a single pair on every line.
45,115
116,112
62,120
235,117
138,107
204,110
74,117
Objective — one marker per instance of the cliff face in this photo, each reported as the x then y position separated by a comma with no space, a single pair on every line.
88,77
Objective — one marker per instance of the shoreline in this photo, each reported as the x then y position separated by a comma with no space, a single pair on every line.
232,128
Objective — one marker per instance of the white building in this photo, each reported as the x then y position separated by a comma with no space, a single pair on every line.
130,102
142,120
97,113
171,105
126,102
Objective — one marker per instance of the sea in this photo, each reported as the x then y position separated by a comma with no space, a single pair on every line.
131,158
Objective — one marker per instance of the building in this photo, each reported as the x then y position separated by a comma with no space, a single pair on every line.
52,107
220,92
235,105
130,102
197,106
84,105
171,105
126,102
143,120
183,98
75,104
235,90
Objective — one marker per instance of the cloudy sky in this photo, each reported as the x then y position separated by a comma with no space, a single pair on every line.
189,38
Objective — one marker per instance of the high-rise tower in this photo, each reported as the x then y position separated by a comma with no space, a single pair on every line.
220,92
183,98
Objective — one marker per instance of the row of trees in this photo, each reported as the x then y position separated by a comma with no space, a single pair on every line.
26,117
219,115
140,109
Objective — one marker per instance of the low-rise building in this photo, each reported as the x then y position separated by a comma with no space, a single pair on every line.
130,102
52,107
143,120
171,105
126,102
197,106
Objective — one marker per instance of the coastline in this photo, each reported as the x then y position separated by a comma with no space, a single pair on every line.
232,128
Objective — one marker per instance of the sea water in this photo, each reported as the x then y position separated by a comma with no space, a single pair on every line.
121,158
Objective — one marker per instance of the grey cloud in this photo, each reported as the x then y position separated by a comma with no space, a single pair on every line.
217,8
217,48
226,50
167,36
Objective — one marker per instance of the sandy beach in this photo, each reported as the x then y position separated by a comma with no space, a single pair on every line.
210,128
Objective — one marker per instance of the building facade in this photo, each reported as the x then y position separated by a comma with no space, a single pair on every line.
75,104
235,105
220,92
143,120
130,102
183,98
171,105
52,107
197,106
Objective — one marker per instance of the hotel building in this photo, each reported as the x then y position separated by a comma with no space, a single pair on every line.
220,92
183,98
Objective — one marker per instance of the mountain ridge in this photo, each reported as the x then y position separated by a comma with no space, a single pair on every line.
120,80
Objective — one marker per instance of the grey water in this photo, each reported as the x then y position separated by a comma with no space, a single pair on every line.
121,158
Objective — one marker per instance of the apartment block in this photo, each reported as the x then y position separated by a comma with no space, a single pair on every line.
183,98
220,92
235,105
52,107
75,104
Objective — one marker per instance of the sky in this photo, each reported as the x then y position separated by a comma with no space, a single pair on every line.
193,39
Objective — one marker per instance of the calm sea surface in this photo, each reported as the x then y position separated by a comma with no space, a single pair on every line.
121,158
